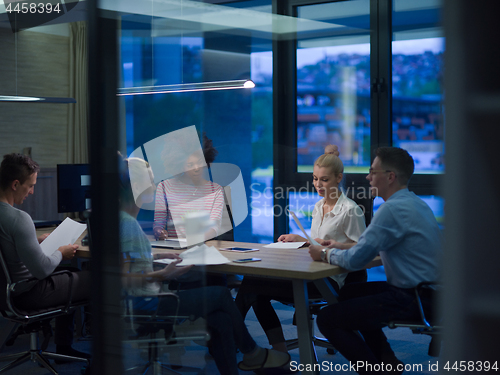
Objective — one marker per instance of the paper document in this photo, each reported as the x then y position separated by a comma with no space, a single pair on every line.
285,245
199,256
311,241
66,233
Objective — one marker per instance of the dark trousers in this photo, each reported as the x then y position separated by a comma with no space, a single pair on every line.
52,292
258,293
366,308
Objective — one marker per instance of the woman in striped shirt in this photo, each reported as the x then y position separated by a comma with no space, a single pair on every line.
190,191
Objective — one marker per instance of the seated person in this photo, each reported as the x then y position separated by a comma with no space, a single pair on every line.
405,233
334,217
25,259
189,191
227,328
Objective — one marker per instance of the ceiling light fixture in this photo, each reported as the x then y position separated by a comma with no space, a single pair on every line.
186,87
35,99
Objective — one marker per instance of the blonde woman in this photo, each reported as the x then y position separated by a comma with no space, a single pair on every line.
335,217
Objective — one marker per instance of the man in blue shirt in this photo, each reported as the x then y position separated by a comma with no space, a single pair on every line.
406,235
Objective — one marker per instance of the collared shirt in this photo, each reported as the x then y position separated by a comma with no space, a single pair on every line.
344,223
405,233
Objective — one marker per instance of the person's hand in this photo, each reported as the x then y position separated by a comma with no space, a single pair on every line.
172,271
68,251
289,238
330,243
160,233
324,243
315,251
167,256
42,237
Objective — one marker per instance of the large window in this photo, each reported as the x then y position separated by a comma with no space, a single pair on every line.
417,82
333,84
372,78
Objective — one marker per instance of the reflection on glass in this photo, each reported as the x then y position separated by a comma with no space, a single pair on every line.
238,121
417,74
333,85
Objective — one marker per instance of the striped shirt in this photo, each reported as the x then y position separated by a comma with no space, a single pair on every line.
175,199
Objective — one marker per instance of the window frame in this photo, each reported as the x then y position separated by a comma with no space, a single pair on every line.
285,107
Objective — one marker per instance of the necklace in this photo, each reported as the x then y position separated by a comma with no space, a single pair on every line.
195,190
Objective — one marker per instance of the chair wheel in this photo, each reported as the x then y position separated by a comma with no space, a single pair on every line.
331,351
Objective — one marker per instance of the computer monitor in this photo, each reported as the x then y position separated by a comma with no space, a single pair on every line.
73,187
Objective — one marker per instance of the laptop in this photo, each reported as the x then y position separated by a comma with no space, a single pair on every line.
171,243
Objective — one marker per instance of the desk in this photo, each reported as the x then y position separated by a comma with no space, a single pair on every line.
291,264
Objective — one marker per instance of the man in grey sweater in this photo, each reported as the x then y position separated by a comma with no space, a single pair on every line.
25,259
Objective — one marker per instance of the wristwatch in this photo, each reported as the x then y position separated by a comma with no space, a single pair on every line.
323,255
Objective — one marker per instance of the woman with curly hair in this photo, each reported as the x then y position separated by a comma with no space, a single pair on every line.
188,191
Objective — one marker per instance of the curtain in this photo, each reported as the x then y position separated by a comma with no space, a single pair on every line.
78,113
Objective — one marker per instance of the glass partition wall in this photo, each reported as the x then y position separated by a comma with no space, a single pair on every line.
322,72
178,124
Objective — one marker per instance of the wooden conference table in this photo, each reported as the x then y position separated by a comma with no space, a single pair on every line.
290,264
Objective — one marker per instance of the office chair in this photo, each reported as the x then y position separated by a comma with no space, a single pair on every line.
143,333
365,202
426,325
32,322
227,223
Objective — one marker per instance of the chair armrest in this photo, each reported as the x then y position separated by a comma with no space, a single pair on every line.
166,295
12,286
160,296
418,289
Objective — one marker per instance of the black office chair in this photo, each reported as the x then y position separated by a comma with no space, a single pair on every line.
316,303
32,322
227,222
143,333
425,325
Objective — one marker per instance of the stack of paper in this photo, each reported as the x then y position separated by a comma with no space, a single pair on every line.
66,233
199,256
286,245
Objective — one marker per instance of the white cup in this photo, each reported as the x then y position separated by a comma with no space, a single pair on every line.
196,225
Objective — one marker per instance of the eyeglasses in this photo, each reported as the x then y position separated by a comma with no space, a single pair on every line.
375,171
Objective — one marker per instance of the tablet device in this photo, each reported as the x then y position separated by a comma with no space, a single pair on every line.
238,249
